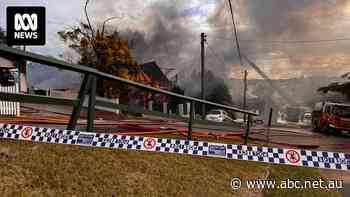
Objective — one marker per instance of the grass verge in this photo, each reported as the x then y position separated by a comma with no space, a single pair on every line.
39,169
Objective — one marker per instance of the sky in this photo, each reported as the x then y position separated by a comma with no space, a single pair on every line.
61,17
169,32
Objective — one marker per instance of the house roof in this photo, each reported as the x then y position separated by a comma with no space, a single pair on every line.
6,63
142,77
155,73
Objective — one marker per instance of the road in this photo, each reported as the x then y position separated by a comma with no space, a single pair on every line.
282,135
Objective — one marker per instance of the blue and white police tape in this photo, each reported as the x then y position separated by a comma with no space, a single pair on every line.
296,157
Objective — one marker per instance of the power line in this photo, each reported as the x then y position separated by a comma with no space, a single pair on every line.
271,83
284,58
222,59
263,55
235,33
241,63
288,41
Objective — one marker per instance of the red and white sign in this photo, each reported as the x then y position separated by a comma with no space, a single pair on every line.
27,132
149,143
292,156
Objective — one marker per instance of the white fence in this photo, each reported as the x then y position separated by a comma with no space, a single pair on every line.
9,108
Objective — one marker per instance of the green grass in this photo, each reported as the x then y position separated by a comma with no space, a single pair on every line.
39,169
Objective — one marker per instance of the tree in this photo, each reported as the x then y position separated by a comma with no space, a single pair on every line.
107,52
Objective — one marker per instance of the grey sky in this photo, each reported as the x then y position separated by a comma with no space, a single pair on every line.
257,20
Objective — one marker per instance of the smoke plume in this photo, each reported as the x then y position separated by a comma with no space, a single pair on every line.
264,25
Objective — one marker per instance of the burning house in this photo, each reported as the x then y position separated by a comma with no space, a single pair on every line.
149,74
158,78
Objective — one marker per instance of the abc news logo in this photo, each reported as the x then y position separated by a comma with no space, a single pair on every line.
25,25
32,22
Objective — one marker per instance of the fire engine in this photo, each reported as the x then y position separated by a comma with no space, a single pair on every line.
331,117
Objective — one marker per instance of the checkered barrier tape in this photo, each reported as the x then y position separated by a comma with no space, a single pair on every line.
307,158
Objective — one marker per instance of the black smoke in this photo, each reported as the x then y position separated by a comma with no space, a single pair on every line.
273,20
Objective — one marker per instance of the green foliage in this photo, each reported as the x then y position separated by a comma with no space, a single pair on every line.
108,53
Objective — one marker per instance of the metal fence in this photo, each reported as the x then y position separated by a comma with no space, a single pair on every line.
8,108
88,87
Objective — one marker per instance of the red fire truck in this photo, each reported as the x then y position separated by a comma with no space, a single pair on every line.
331,117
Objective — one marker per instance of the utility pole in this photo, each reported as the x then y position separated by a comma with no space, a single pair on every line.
203,40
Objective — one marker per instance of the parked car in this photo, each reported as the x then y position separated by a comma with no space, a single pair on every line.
218,115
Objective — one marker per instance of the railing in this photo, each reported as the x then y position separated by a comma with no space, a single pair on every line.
88,87
8,108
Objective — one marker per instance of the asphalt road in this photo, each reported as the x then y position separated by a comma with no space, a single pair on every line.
289,133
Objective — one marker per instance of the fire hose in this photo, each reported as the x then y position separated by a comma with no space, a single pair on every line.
134,128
